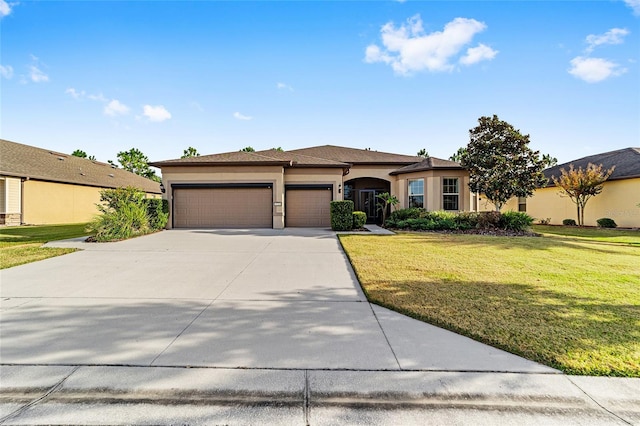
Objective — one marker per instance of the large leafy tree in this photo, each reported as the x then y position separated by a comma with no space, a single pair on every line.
190,152
580,185
136,162
501,165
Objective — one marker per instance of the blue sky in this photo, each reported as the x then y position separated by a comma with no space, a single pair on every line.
391,76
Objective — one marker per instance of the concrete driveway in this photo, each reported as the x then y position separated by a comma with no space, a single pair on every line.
284,299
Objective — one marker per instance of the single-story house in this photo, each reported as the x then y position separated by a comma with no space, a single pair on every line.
39,186
274,189
618,200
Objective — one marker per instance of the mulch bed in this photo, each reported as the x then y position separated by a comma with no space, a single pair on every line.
487,231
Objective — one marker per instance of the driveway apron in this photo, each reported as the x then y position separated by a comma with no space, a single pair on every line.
283,299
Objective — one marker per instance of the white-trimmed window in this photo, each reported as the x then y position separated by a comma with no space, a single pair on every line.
416,193
450,194
522,204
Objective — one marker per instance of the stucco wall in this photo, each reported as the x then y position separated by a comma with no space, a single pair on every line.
54,203
618,200
433,188
229,174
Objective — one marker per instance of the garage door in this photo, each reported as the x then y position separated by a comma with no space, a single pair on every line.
222,207
307,206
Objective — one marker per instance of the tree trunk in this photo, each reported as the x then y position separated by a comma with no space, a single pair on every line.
578,207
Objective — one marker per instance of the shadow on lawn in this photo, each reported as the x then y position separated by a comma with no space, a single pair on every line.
578,335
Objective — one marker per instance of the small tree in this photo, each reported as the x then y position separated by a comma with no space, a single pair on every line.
136,162
248,149
81,154
457,157
386,201
580,185
190,152
500,163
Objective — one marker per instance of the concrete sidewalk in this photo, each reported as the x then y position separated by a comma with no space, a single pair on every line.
254,327
160,395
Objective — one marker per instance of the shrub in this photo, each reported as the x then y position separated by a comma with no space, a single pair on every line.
569,222
341,215
488,220
544,221
606,222
404,214
124,215
515,221
466,220
157,212
359,219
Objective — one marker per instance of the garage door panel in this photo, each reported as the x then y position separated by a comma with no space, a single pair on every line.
308,208
222,207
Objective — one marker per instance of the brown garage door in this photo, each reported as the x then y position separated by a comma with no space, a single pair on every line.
222,207
308,206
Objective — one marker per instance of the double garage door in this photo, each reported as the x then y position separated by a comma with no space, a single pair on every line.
249,206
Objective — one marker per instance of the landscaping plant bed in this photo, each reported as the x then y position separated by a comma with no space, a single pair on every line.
487,231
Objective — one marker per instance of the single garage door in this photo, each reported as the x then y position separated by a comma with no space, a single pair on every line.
308,206
222,207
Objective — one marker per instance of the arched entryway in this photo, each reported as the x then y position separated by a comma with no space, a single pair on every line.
363,191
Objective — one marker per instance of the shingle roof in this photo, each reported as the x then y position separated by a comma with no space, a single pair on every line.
627,162
20,160
429,163
235,158
267,157
356,156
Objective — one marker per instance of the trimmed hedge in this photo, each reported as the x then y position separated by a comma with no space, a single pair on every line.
341,215
422,220
569,222
359,219
606,222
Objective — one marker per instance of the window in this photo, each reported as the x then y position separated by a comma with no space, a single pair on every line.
450,194
416,193
522,204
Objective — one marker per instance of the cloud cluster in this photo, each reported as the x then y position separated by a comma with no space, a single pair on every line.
114,108
408,48
6,71
634,5
5,8
594,70
283,86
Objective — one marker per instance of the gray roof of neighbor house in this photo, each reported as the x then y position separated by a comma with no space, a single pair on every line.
270,157
626,162
356,156
18,160
430,163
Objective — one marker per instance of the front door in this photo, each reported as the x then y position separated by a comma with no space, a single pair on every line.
368,204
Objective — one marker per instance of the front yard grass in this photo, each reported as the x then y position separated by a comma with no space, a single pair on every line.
570,302
22,244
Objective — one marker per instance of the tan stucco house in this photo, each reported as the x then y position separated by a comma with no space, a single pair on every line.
618,200
39,186
274,189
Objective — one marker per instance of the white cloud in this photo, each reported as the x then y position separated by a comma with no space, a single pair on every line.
283,86
408,49
115,107
156,113
239,116
594,70
74,93
99,97
37,75
6,71
634,5
478,54
5,8
613,36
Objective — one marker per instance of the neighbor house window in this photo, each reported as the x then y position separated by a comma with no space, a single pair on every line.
450,194
416,193
522,204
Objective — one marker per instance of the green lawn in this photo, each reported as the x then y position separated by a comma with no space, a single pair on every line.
570,302
623,236
22,244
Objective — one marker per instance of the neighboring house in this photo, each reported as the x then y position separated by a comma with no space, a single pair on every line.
38,186
274,189
618,200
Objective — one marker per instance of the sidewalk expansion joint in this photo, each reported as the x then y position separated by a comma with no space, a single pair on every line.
597,403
